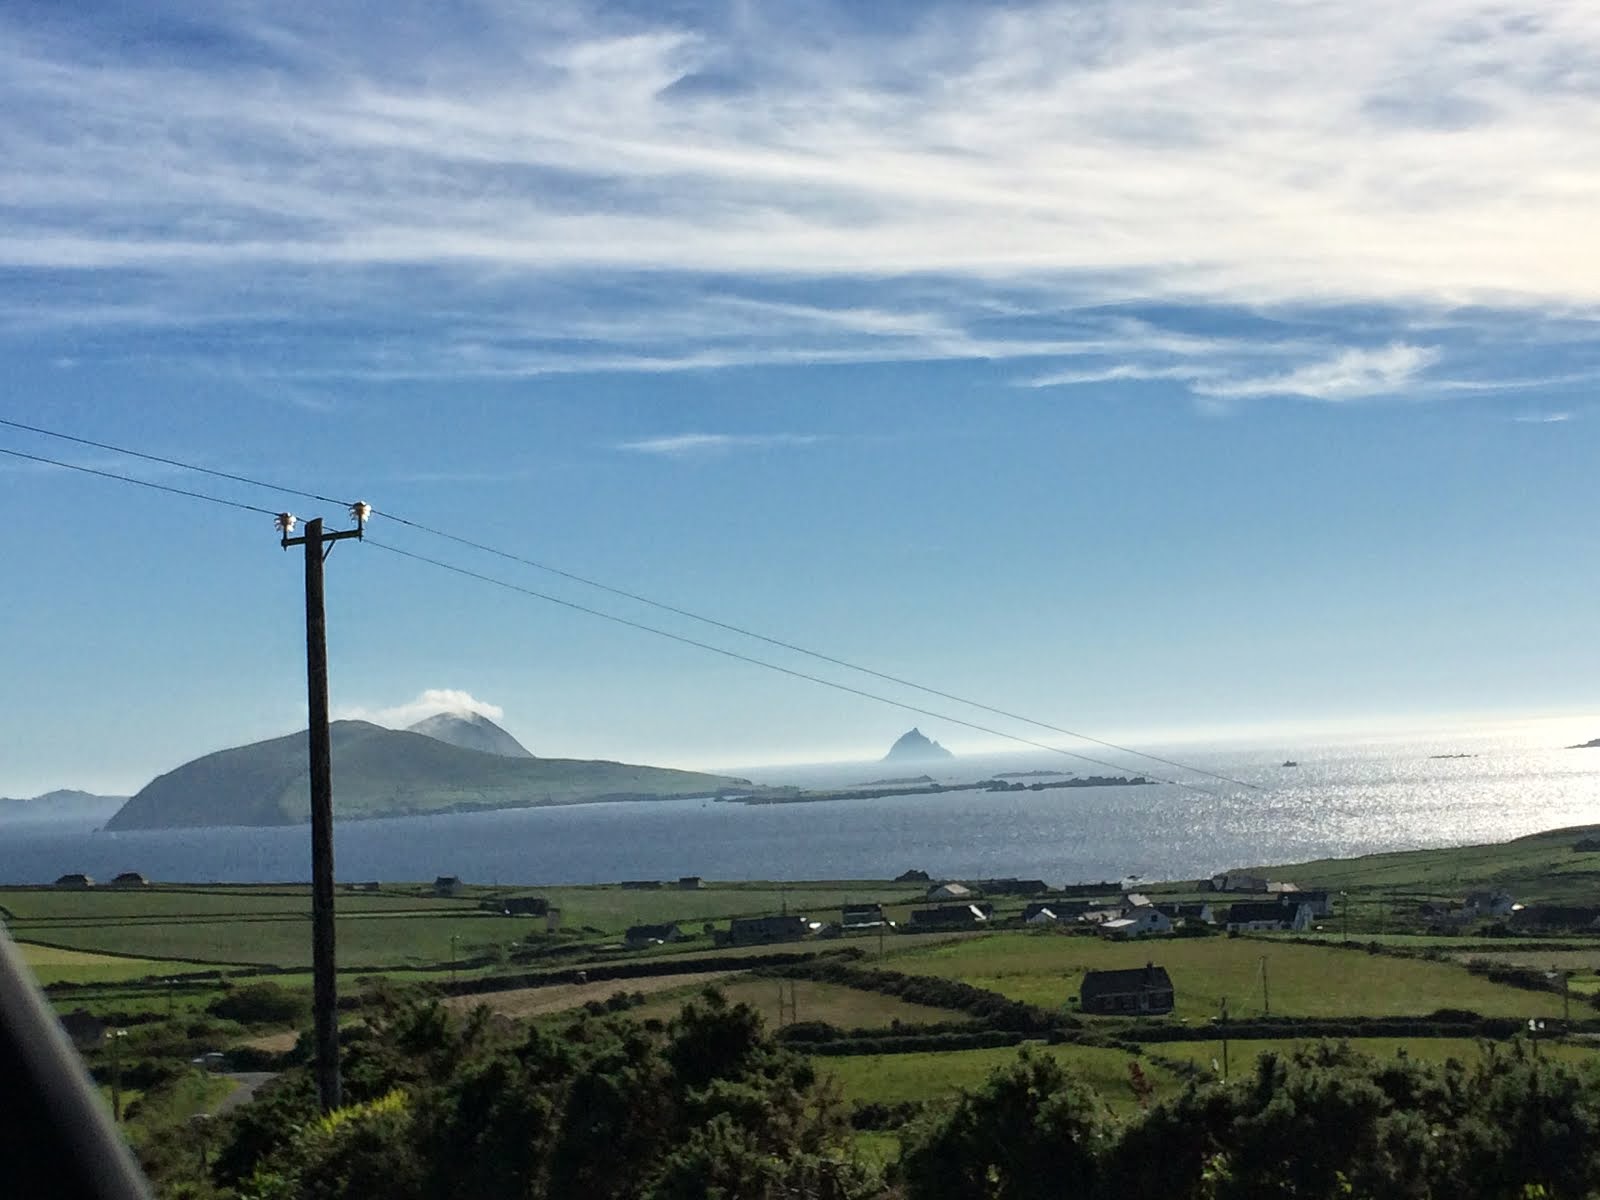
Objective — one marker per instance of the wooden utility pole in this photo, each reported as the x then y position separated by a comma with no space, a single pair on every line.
324,989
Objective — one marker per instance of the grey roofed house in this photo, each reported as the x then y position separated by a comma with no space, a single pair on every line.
782,927
949,916
1040,911
447,885
690,883
130,879
1285,913
639,936
1137,990
1189,912
861,916
77,879
949,891
1237,881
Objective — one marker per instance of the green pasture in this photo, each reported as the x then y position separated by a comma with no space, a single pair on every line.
1542,868
1046,969
364,941
937,1074
1242,1054
50,964
612,909
844,1007
99,904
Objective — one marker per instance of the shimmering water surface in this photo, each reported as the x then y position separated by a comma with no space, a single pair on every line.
1341,800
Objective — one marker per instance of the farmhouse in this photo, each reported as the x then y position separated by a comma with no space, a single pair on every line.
690,883
1139,921
447,885
1140,990
130,879
1258,916
1040,913
1488,904
640,936
861,916
750,931
75,880
1194,914
948,916
949,891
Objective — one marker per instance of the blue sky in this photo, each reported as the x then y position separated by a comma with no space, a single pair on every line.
1156,371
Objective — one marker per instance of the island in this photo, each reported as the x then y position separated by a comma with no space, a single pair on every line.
795,795
1592,744
915,746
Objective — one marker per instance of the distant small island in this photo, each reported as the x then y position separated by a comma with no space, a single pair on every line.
1594,744
915,746
782,795
896,782
1032,774
1452,756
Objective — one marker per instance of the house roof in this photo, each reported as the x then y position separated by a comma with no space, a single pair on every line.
950,889
1259,911
661,932
1119,983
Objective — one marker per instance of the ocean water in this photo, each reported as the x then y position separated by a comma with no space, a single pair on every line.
1342,799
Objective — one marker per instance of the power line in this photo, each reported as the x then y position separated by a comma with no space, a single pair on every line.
727,626
816,654
759,662
160,487
173,462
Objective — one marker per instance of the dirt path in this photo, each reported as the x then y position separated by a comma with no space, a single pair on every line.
535,1002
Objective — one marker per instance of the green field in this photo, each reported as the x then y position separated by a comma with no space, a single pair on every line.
1045,969
52,965
843,1007
1242,1054
934,1075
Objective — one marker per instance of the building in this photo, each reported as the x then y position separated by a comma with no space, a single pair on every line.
1041,913
1265,916
1556,916
1011,886
1139,991
520,906
1321,902
130,879
950,891
1488,904
1140,921
75,880
690,883
640,936
447,885
948,916
752,931
861,916
1237,881
1198,914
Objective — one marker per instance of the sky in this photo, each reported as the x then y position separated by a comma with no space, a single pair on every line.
1155,371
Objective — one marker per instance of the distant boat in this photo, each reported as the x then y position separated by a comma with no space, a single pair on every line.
1289,762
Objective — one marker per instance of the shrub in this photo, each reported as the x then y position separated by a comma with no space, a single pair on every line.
261,1003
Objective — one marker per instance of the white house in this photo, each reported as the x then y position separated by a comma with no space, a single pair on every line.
1140,922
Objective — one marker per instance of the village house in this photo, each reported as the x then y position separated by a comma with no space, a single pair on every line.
1197,914
751,931
1488,904
861,916
1140,920
1040,913
447,885
950,891
1237,881
1142,991
1265,916
690,883
948,916
130,879
640,936
1011,886
76,879
1321,902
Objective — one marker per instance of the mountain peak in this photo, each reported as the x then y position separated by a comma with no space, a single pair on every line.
471,731
915,746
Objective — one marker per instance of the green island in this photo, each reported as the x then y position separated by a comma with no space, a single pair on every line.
821,1035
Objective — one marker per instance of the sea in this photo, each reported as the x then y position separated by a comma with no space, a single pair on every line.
1351,796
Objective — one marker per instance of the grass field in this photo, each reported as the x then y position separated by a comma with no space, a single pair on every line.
1242,1054
844,1007
52,965
1542,867
109,904
933,1075
1304,981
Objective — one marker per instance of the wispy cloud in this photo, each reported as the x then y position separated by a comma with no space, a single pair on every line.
428,703
1550,418
488,190
1349,375
688,445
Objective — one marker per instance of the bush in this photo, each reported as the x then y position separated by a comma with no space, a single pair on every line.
262,1003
